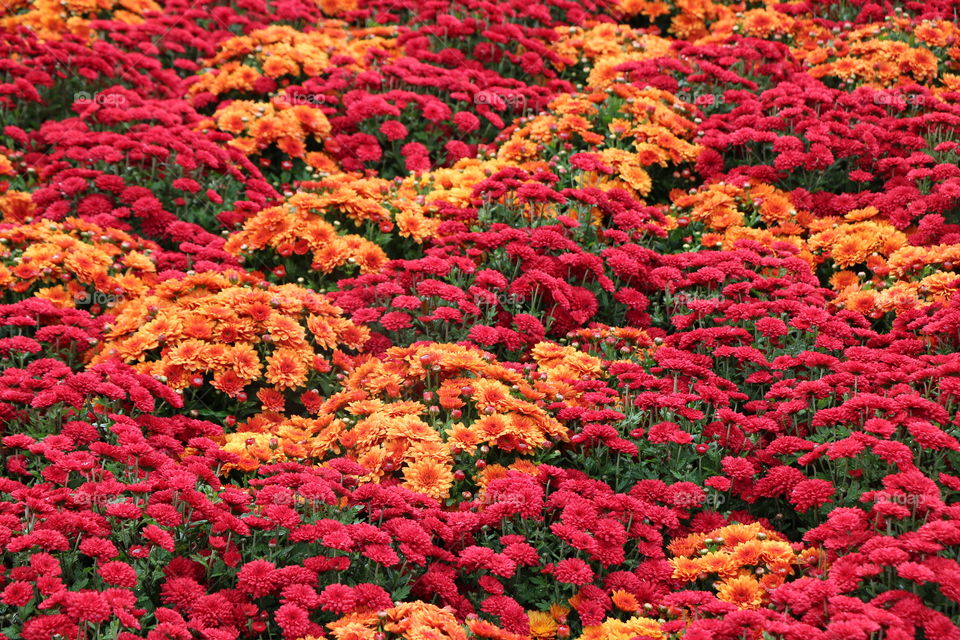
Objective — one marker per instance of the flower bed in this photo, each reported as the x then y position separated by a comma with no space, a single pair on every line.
376,319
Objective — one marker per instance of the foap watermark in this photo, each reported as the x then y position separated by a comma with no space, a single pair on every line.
90,500
97,297
691,500
901,100
701,98
305,99
685,299
487,499
298,500
103,99
902,499
501,100
499,298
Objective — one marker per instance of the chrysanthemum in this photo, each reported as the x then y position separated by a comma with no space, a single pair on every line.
743,591
286,369
573,571
429,477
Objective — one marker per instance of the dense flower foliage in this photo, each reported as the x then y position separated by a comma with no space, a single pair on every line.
376,319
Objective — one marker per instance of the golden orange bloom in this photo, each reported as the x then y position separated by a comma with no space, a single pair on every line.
422,620
743,591
719,563
542,625
843,279
624,600
16,206
862,301
353,631
429,477
777,552
686,569
747,553
862,214
613,629
286,369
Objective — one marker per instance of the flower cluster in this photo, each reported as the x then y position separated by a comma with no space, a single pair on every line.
228,331
746,561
